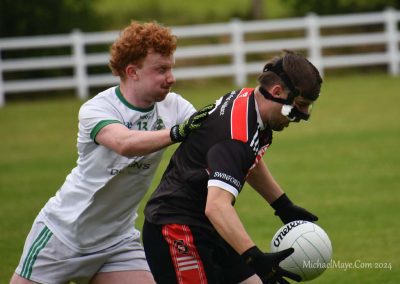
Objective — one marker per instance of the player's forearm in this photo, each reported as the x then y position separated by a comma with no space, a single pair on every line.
225,220
131,143
140,143
261,179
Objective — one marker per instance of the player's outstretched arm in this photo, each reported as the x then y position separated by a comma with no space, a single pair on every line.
261,179
225,220
131,143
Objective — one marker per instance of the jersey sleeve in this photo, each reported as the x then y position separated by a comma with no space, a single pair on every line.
228,163
92,118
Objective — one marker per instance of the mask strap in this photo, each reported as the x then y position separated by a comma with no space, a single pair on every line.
277,68
270,97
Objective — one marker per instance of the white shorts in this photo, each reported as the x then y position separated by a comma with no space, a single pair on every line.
47,260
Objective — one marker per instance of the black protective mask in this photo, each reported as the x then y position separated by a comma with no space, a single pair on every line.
288,110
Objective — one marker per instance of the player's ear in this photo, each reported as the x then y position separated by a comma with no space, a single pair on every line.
277,91
131,71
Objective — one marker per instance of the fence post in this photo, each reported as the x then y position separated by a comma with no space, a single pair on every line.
238,52
314,39
2,92
392,46
80,65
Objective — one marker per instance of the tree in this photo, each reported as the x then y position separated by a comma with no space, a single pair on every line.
302,7
257,9
22,18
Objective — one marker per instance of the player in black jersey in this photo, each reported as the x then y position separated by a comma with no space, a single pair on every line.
192,233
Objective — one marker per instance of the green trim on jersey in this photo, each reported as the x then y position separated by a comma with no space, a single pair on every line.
125,102
99,126
33,252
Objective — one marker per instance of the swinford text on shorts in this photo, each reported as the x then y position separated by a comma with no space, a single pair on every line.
337,264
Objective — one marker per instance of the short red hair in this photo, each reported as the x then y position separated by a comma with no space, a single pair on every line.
134,43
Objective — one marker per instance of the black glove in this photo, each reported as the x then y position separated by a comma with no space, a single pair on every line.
288,212
267,267
179,132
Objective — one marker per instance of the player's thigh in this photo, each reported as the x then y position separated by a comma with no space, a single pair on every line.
123,277
45,259
125,263
222,263
16,279
192,255
158,254
174,252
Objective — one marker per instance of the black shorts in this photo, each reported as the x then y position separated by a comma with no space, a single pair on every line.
191,255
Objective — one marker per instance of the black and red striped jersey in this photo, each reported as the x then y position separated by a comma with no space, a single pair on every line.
231,140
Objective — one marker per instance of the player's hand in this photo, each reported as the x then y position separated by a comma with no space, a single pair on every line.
288,212
179,132
267,266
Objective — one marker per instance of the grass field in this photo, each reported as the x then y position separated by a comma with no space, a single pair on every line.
344,165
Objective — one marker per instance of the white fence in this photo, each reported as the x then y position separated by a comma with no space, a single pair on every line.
230,40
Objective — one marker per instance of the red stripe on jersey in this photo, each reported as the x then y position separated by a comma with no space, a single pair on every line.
188,266
239,115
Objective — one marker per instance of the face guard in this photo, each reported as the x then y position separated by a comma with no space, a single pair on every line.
294,114
288,109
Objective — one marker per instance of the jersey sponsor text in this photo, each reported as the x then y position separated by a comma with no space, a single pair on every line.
228,178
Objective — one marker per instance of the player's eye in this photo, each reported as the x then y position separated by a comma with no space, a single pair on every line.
304,107
162,70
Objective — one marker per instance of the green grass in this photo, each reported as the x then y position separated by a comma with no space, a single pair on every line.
343,165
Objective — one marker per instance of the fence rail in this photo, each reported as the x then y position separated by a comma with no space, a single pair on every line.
230,40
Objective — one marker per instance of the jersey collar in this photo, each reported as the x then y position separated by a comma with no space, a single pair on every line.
126,103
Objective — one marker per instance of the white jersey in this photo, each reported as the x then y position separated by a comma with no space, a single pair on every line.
96,206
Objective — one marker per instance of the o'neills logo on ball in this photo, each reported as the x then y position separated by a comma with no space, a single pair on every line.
286,230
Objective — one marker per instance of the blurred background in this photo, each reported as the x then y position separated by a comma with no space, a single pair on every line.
58,45
343,165
24,18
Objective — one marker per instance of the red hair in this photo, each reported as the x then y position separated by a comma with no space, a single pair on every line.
134,43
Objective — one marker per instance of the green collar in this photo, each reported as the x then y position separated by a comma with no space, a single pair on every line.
125,102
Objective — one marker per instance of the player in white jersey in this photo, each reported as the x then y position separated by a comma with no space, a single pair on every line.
86,232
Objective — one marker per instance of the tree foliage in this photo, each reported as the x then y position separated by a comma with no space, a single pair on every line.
326,7
22,18
172,12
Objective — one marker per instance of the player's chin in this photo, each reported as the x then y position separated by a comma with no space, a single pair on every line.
162,95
